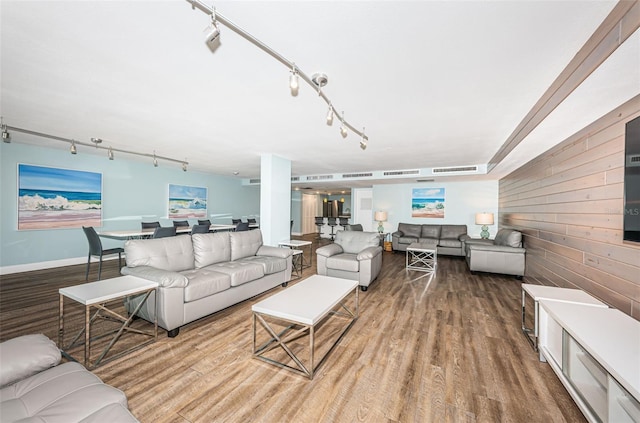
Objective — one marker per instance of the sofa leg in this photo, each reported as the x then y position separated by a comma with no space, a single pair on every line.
173,332
284,284
363,288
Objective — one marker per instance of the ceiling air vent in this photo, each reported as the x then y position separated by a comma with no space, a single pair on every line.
401,172
425,180
295,178
357,175
461,169
319,177
254,181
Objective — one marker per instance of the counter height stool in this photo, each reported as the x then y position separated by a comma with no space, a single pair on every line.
200,229
319,224
331,221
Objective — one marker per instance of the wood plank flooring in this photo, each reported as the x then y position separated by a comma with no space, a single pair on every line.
442,348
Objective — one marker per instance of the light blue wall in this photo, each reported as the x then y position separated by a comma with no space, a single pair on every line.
133,190
462,201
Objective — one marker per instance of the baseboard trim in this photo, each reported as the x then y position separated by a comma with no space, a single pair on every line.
29,267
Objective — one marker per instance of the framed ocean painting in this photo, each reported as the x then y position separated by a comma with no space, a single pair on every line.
187,201
427,202
54,198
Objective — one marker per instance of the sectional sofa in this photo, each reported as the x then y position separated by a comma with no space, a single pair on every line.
34,387
449,238
203,273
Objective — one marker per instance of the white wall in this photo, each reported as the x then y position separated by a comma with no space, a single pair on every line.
462,201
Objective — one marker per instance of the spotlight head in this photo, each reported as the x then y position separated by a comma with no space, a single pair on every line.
6,136
184,167
343,131
213,37
363,144
74,149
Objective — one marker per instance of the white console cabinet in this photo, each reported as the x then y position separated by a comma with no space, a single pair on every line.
595,352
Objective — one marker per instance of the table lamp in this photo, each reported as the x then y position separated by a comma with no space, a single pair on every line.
380,216
484,219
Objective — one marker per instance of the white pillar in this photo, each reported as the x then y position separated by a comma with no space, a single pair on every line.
275,199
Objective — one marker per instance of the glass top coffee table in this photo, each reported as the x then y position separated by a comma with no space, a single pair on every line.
296,312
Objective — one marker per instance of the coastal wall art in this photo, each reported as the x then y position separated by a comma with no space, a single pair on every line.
427,202
187,201
54,198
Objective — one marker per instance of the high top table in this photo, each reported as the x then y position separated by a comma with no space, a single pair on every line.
301,308
96,295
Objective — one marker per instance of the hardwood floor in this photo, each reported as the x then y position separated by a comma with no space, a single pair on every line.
446,348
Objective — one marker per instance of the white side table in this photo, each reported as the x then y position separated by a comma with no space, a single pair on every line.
97,295
422,256
297,244
551,293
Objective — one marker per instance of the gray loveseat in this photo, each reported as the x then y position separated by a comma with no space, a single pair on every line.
503,254
354,255
203,273
449,238
34,387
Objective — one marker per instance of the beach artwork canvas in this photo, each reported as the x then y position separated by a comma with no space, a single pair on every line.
53,198
427,202
186,201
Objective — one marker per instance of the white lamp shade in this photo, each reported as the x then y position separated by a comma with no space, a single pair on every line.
380,216
484,218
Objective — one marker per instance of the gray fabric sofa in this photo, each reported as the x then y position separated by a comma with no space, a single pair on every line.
203,273
354,255
448,238
34,387
503,254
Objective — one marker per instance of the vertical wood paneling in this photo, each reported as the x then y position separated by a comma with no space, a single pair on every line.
568,202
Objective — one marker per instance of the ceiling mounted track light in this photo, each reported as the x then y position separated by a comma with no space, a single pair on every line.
317,81
94,142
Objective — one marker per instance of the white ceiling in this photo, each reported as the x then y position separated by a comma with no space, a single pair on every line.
435,83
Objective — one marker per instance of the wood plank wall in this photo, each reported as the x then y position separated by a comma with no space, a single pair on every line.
568,202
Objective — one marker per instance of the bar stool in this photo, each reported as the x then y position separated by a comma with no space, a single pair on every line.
331,221
344,222
319,224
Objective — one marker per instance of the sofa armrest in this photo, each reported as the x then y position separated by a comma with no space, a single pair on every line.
329,250
165,278
267,250
496,248
464,237
397,234
369,253
25,356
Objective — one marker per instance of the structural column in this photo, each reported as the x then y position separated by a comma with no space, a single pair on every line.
275,199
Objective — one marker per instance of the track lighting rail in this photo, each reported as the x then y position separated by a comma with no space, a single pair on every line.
95,144
289,64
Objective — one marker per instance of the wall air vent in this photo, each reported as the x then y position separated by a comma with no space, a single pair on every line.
254,181
461,169
401,172
319,177
633,160
357,175
295,178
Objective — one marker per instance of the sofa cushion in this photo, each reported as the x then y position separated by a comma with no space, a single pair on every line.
409,230
346,262
269,265
245,243
407,240
354,241
508,238
172,253
211,248
65,393
452,243
240,271
452,231
26,355
430,232
204,282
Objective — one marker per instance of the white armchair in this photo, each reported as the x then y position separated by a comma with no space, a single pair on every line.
354,255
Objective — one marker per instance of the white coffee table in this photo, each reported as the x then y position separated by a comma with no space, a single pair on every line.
301,308
98,295
297,244
422,256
